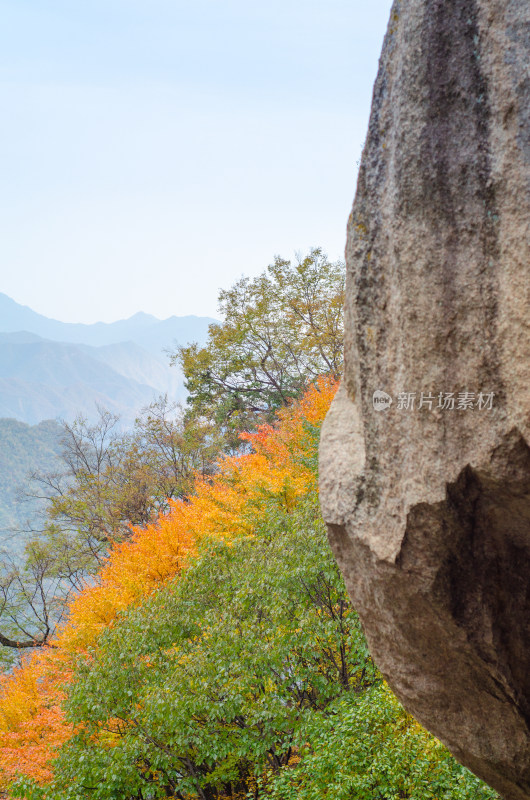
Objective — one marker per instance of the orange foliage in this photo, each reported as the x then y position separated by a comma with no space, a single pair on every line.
134,569
32,724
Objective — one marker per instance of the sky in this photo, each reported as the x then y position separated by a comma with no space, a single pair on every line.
153,151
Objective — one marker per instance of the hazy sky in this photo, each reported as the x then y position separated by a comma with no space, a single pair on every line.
152,151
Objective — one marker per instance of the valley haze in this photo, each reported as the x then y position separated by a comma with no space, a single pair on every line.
51,369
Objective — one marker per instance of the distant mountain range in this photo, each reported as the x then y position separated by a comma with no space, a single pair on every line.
51,369
155,335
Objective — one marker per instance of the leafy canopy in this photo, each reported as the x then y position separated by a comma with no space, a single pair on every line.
279,332
218,657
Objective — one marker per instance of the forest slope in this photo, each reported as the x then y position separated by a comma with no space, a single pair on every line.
217,656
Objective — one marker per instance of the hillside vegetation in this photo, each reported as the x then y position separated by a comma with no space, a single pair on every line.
214,654
217,656
120,367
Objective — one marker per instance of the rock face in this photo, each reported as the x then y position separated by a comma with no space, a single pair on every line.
429,506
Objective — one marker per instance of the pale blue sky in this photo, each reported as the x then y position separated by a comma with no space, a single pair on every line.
152,151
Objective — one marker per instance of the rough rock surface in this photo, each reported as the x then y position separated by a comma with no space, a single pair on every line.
429,508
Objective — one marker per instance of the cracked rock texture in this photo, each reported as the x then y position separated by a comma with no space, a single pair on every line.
429,508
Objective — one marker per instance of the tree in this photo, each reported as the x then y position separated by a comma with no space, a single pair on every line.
31,600
109,482
248,676
232,669
280,331
204,686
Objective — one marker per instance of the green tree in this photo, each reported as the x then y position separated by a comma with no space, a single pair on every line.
248,677
202,688
279,331
366,747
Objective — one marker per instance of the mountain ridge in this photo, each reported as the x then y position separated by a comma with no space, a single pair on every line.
53,369
144,329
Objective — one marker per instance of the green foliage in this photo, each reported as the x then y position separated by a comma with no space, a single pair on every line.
367,747
247,677
279,331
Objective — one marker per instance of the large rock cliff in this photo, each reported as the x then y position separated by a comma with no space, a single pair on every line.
426,488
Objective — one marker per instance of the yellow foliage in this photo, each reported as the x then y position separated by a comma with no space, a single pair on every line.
32,724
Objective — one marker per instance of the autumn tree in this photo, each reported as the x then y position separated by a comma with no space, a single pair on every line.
247,676
204,686
280,331
216,656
